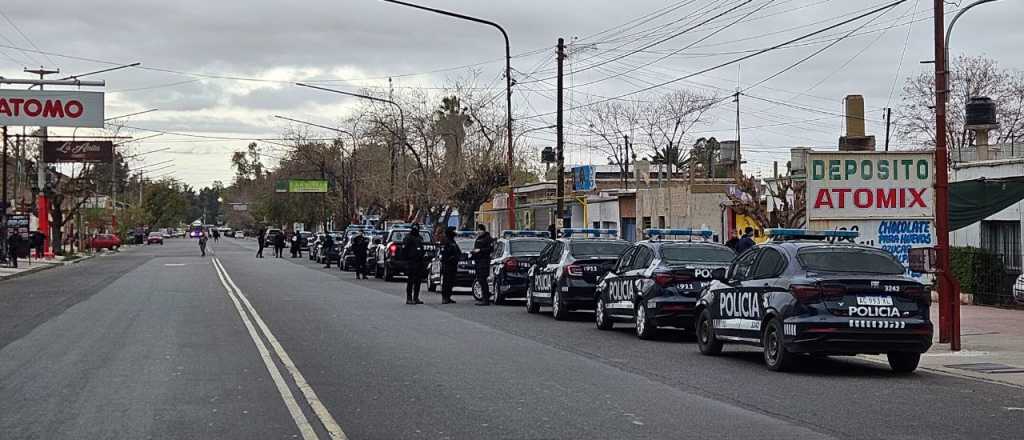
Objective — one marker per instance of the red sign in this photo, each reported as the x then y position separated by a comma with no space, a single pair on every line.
78,151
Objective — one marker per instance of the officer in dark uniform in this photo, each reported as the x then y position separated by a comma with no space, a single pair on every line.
483,247
13,247
359,248
450,254
328,250
261,240
412,254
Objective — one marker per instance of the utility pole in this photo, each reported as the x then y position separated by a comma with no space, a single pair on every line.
42,204
739,160
888,125
945,285
625,167
4,202
560,136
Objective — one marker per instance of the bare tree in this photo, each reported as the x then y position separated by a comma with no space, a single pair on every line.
971,77
789,195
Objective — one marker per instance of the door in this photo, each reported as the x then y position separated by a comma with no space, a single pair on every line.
735,309
549,271
614,285
757,287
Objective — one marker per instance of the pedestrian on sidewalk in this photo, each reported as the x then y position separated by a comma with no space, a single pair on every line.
296,248
483,247
412,257
39,243
450,254
330,250
360,245
746,242
279,245
261,240
202,243
13,247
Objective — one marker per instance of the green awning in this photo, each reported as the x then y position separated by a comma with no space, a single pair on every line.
971,201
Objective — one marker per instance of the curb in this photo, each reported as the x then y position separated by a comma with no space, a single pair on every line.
942,371
47,266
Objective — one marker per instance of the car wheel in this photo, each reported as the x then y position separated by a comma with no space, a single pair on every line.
531,305
603,321
775,355
388,274
478,291
645,329
558,309
499,297
706,340
903,362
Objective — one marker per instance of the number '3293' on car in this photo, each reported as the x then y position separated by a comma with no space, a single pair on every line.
809,293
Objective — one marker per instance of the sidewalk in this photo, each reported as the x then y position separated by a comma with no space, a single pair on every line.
25,267
992,342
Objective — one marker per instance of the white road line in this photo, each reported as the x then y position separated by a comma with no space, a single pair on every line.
312,399
307,431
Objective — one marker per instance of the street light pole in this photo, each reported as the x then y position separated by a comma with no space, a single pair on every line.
508,94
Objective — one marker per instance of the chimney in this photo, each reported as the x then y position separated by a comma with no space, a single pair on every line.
856,139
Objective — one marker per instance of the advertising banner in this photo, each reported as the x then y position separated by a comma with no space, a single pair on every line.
78,151
864,185
46,108
307,186
583,178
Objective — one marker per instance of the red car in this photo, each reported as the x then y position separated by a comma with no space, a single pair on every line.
155,238
105,241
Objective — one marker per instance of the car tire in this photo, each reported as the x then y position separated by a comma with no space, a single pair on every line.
559,311
903,362
645,329
478,291
531,305
388,273
601,318
706,340
776,358
499,297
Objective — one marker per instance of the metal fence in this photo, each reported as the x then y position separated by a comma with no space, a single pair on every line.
994,279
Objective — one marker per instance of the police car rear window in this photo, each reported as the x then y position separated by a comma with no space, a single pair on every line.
465,244
523,247
696,254
400,235
597,248
835,259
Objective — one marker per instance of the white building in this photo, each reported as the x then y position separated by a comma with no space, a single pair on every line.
999,233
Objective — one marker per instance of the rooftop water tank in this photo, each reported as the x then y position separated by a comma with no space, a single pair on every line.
981,114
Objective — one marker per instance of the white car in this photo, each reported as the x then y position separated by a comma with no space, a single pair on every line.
1018,289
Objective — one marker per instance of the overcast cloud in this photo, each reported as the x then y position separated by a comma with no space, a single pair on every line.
284,41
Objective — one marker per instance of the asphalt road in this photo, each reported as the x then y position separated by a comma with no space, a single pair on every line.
157,342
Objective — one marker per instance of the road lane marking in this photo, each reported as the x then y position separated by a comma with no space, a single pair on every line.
329,424
305,428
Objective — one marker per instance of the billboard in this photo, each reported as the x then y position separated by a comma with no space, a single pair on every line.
860,185
78,151
583,178
301,186
46,108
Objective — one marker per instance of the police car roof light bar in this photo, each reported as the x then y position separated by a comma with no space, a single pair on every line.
569,232
514,233
659,234
808,234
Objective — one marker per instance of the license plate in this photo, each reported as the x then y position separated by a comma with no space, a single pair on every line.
874,300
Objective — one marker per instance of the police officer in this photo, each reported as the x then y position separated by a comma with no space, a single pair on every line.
412,254
279,245
296,248
202,243
483,247
747,241
359,248
261,240
328,250
450,253
13,247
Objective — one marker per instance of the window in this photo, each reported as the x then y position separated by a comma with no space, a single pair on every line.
849,259
526,247
598,248
1002,238
770,265
498,250
646,223
661,221
625,260
684,253
644,256
741,269
556,253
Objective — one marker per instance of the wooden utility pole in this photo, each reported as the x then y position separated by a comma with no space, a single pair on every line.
949,295
560,137
888,125
739,160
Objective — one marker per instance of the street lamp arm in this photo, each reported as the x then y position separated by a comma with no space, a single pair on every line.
456,15
949,29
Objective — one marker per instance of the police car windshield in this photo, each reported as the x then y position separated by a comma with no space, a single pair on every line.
594,248
526,247
839,259
465,244
680,253
400,235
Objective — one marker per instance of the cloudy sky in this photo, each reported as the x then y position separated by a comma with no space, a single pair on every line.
218,70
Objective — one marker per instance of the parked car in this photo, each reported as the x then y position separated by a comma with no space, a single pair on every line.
513,256
105,241
155,238
567,272
239,234
657,282
806,292
465,275
304,238
270,236
387,265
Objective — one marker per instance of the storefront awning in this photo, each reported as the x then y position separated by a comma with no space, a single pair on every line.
971,201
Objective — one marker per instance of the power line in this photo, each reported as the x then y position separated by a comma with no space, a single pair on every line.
29,40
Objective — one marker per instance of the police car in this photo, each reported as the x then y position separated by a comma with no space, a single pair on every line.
465,272
657,282
514,254
568,270
815,292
